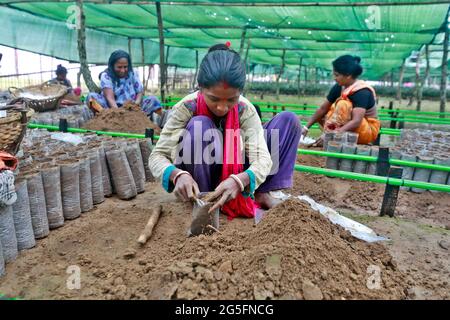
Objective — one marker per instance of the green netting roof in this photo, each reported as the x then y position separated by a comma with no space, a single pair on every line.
382,33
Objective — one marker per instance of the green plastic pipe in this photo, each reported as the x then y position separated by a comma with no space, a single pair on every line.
78,130
394,162
404,111
372,178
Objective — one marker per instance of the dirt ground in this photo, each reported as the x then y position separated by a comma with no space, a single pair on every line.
102,244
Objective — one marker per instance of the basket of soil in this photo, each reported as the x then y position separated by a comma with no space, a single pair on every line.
43,97
13,127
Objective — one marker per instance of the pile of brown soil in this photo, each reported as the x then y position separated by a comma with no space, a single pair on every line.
294,253
129,118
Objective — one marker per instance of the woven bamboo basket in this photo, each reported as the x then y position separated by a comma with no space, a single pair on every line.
13,128
43,97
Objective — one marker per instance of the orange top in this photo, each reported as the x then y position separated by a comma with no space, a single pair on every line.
358,85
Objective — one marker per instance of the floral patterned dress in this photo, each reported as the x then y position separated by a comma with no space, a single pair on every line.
127,89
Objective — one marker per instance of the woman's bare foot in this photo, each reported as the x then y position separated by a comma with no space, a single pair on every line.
266,200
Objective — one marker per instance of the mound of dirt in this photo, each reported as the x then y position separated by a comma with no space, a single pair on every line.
129,118
294,253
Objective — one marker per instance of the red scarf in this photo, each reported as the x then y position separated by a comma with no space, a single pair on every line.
240,206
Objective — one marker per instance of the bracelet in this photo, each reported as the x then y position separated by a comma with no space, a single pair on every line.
178,175
238,181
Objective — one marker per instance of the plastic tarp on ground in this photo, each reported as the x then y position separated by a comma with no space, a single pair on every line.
383,34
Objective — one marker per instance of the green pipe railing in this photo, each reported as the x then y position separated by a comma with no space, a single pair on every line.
409,119
78,130
314,170
373,178
299,106
381,117
380,110
395,162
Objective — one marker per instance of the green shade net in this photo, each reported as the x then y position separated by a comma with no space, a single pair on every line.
383,35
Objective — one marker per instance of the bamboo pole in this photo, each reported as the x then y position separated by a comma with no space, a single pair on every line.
174,76
194,81
280,74
298,77
427,69
418,85
143,62
162,67
444,66
84,68
400,82
243,35
129,48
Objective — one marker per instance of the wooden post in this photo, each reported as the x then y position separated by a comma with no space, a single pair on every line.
418,84
298,77
392,78
246,53
79,79
16,61
316,77
162,65
306,76
150,68
40,67
129,48
84,68
166,69
400,82
194,81
174,76
391,193
427,70
280,74
241,48
143,62
444,68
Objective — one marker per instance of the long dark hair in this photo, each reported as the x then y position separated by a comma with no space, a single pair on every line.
221,64
348,65
116,55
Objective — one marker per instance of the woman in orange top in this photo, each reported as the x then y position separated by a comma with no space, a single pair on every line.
350,105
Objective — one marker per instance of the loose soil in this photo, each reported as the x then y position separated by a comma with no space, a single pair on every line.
294,253
128,118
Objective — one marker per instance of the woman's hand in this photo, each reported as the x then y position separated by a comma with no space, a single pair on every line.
227,190
305,131
186,188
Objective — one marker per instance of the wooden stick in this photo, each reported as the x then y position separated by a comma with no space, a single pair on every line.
212,228
147,232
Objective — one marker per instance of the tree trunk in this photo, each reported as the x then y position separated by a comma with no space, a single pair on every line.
444,70
400,83
84,68
280,74
162,65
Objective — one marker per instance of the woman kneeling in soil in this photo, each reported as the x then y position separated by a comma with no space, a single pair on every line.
119,84
209,131
350,105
